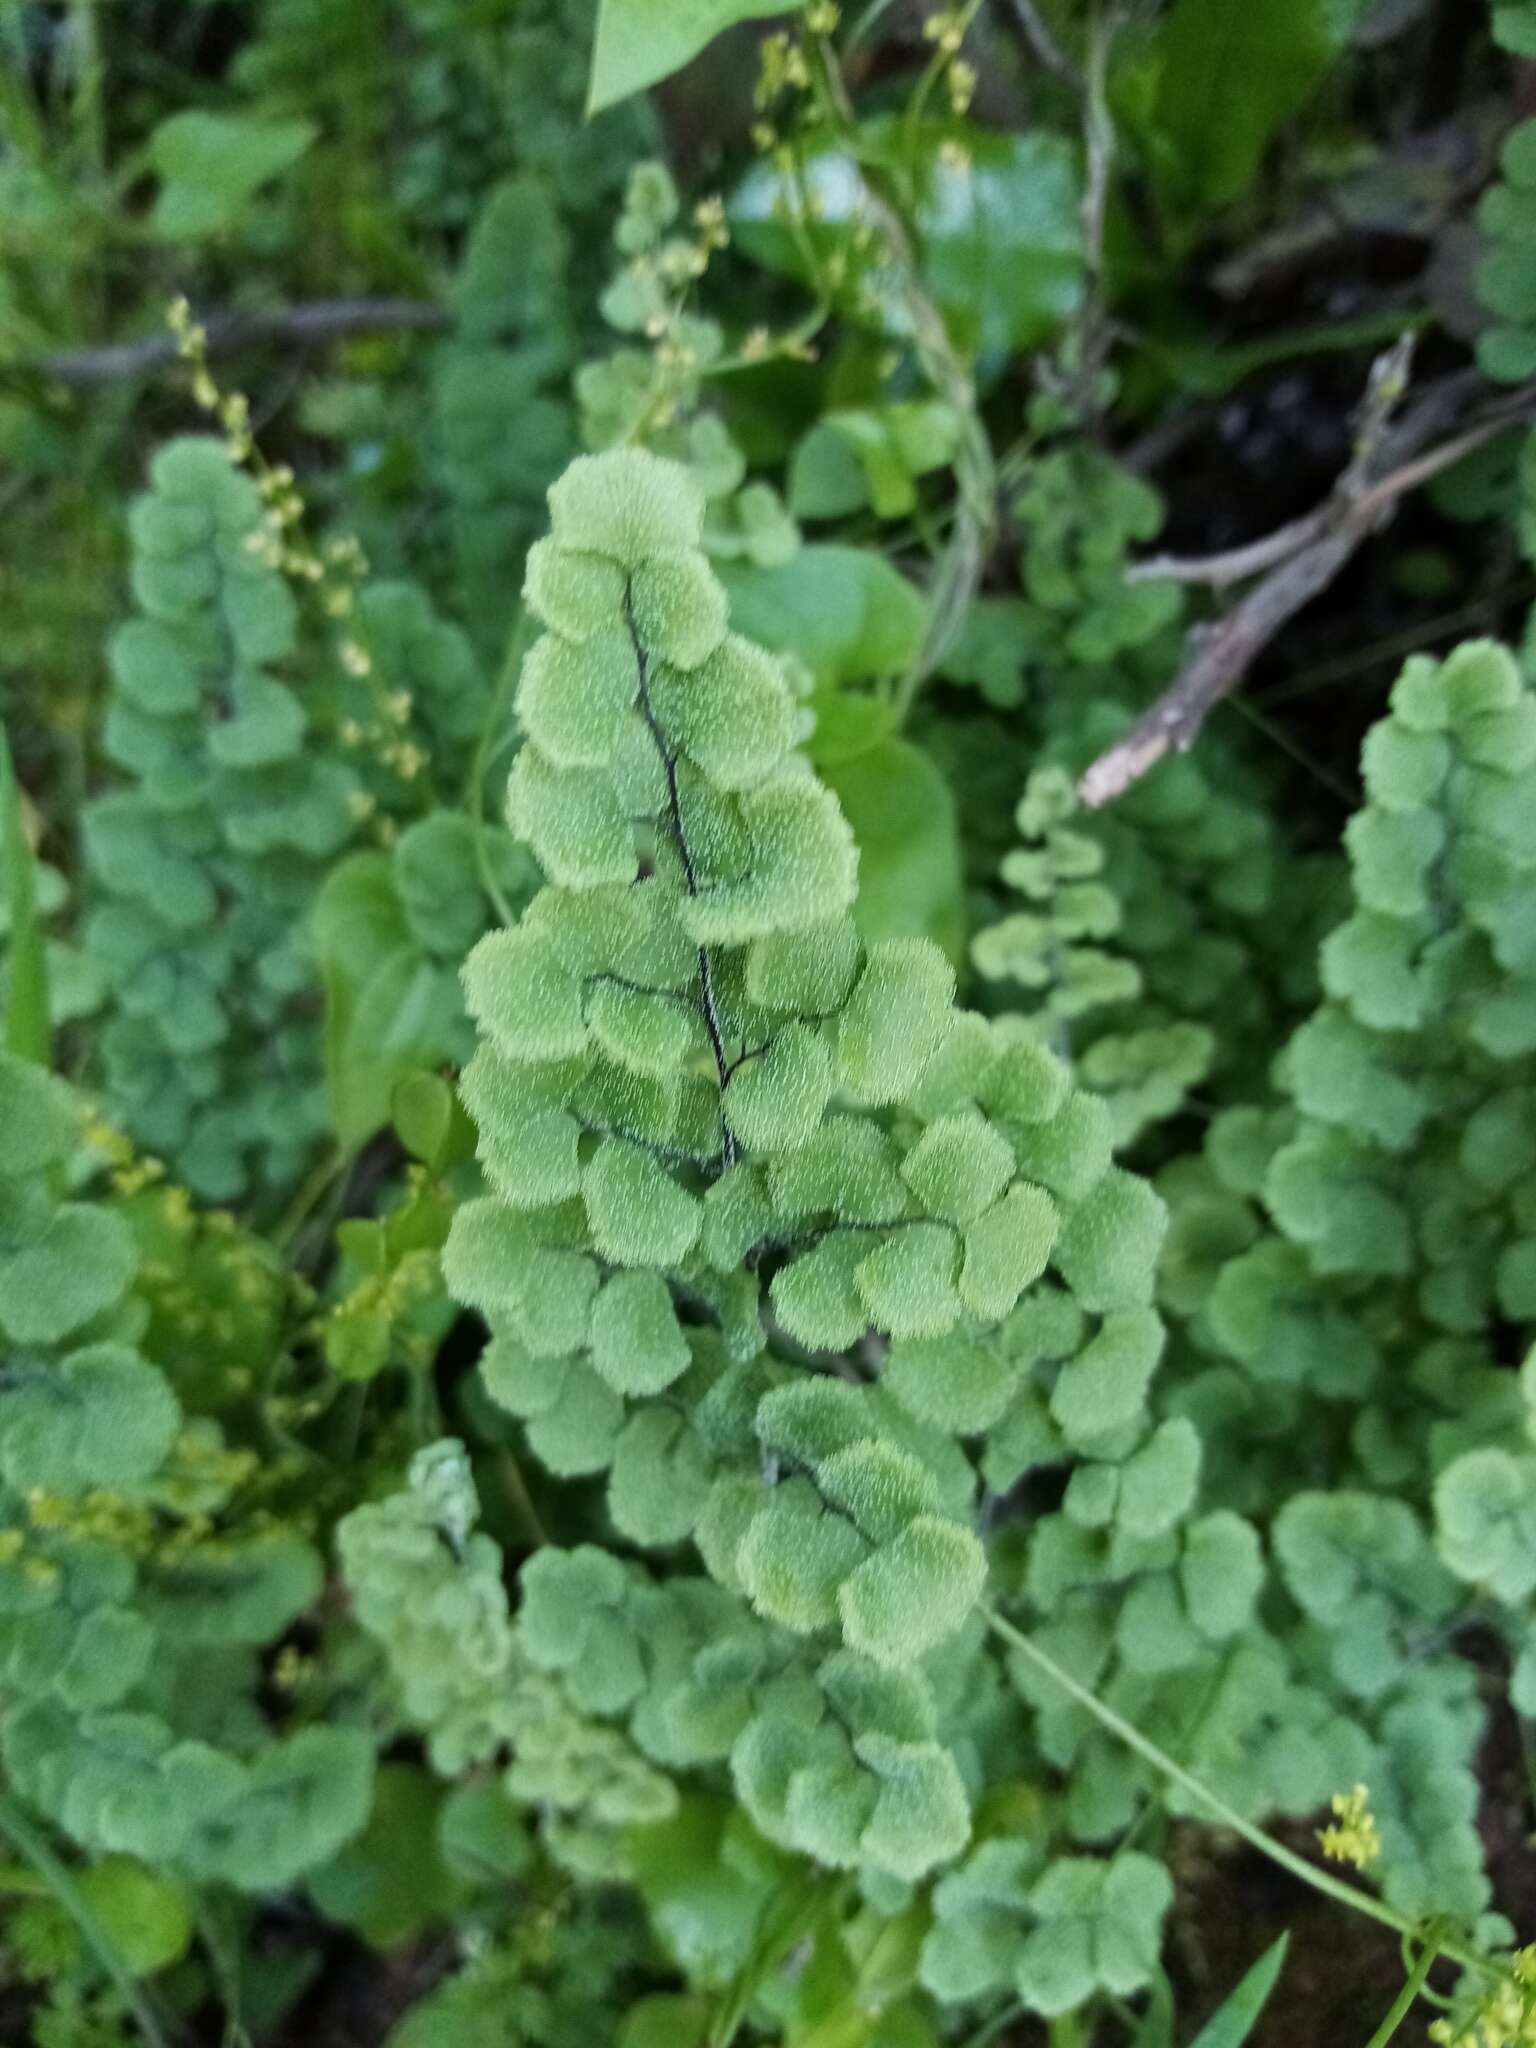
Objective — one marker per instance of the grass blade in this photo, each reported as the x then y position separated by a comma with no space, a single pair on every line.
1235,2018
26,1005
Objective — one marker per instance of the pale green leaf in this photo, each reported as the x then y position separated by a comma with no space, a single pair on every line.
210,165
640,42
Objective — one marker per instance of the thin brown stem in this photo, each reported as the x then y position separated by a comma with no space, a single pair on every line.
1301,560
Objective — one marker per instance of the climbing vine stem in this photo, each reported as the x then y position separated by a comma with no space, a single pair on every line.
1320,1880
1403,2004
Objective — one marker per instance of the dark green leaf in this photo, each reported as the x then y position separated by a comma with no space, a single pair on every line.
903,817
844,611
391,1882
389,1009
1230,75
430,1121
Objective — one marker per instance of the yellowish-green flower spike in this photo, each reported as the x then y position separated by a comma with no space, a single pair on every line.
1353,1836
1497,2015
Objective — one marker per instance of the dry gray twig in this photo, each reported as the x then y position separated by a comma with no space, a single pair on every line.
1045,46
1301,559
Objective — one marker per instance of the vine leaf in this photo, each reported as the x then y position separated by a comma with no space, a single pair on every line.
640,42
210,165
388,1008
1229,77
845,612
903,816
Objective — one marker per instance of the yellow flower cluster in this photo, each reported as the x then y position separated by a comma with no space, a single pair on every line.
1503,2017
781,68
947,31
98,1517
385,737
1355,1838
291,1670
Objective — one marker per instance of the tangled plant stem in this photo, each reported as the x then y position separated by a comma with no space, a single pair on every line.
1320,1880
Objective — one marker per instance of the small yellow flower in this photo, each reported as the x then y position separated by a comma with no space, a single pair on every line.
1356,1839
947,30
291,1668
101,1137
355,659
962,85
783,69
709,218
407,760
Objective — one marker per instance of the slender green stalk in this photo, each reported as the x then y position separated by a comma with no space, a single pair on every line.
1304,759
866,23
998,2024
347,1422
1402,2005
87,109
1395,646
29,1842
922,92
519,1500
786,1919
27,1030
1320,1880
495,719
222,1947
334,1166
959,573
